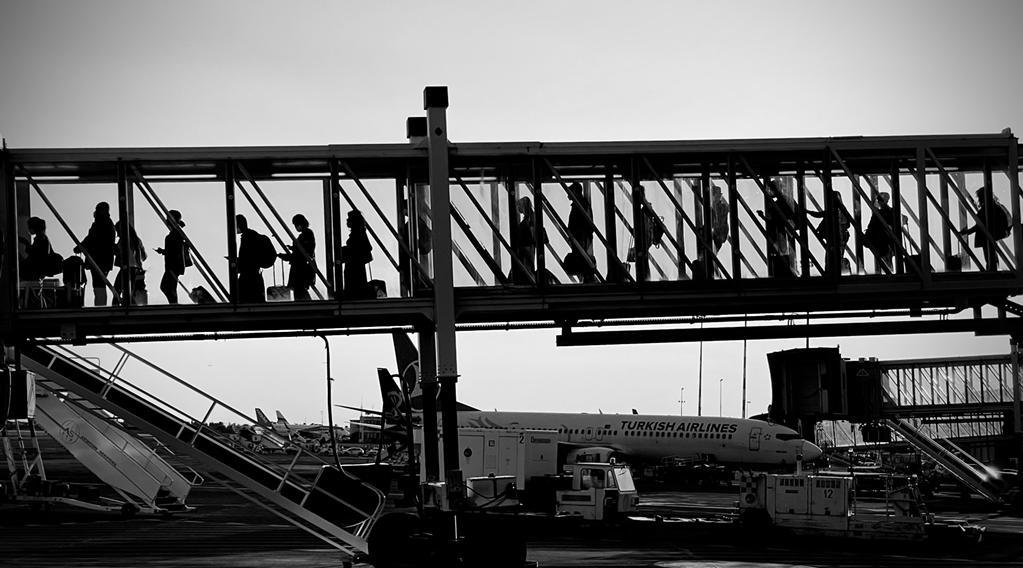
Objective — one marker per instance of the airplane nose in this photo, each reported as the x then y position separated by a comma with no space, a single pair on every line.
810,452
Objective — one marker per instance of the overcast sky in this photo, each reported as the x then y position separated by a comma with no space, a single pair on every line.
199,73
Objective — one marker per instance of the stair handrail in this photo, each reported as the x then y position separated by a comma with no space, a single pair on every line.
951,462
307,487
185,418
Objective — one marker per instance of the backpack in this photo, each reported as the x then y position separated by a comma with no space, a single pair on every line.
1003,225
266,254
655,230
54,264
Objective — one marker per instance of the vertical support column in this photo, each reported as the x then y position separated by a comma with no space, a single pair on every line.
1017,393
925,240
833,254
513,223
857,223
960,180
946,230
9,245
232,237
328,238
428,383
705,218
435,101
538,230
639,223
126,214
336,268
611,226
900,260
733,226
801,220
1013,172
23,210
495,216
992,262
680,227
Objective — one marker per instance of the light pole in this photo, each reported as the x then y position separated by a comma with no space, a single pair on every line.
681,400
721,383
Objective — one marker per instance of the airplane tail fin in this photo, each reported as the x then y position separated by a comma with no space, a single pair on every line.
407,357
393,400
261,418
281,419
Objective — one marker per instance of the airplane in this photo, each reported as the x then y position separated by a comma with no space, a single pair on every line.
286,430
732,441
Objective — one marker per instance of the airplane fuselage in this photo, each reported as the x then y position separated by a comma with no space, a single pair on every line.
654,437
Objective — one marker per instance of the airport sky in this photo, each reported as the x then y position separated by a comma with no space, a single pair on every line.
131,73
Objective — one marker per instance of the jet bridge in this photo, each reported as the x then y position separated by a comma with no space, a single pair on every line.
668,235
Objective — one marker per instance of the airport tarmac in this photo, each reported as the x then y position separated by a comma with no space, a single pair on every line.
227,531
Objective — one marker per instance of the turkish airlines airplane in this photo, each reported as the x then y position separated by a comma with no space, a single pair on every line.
734,441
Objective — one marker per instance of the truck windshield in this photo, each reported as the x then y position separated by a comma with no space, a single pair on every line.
624,478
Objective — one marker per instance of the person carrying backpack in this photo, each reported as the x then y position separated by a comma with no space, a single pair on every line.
129,265
38,262
254,252
995,217
175,257
99,244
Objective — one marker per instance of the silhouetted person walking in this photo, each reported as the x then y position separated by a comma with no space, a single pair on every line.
524,243
581,229
841,222
175,257
129,266
998,223
99,244
355,255
35,264
302,274
778,215
251,289
880,242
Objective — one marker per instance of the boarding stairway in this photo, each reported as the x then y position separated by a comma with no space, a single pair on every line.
334,506
130,467
965,468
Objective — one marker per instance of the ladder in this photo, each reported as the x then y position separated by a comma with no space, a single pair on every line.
970,472
334,505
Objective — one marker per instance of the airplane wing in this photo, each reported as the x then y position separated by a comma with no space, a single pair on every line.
362,410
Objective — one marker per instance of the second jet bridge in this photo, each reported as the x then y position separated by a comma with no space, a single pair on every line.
539,232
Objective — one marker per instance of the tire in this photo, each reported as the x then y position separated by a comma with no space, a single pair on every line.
396,542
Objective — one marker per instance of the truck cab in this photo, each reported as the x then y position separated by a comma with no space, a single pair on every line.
600,491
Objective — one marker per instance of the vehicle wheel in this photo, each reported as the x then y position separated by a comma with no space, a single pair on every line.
396,542
494,544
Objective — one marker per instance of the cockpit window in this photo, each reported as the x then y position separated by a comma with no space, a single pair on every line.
786,437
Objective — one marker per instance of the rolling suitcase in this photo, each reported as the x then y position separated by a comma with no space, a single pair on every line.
278,293
72,295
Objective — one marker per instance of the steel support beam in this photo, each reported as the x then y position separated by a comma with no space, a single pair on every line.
435,101
230,210
428,384
8,239
981,327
